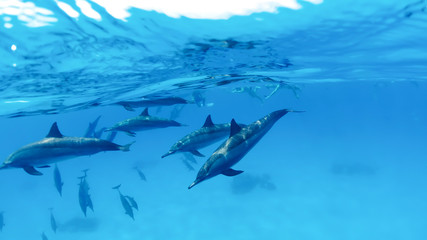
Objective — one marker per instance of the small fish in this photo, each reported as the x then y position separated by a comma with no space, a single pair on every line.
57,179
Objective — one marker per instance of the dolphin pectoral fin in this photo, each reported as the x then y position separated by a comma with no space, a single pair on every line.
32,171
128,107
231,172
132,134
44,166
197,153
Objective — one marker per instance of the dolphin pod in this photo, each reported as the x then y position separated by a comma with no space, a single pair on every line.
56,147
127,202
239,143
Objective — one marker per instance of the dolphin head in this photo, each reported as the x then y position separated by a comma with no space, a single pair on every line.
202,175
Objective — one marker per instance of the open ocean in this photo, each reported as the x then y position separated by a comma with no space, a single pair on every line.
352,166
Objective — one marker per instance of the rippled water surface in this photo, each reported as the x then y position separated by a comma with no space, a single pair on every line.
352,166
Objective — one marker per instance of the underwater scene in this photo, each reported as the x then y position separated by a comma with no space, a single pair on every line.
235,120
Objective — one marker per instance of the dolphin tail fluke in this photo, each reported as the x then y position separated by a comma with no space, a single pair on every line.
117,187
197,153
231,172
32,171
126,148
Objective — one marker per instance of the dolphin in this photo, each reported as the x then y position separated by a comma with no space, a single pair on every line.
1,221
208,134
167,101
125,203
57,179
143,122
91,129
132,202
44,237
56,147
239,143
85,200
53,221
140,173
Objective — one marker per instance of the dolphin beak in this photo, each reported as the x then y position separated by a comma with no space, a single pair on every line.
194,183
168,153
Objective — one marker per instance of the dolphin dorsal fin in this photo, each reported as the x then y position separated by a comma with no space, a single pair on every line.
208,122
234,128
145,113
54,132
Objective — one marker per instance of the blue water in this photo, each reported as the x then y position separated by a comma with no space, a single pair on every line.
352,166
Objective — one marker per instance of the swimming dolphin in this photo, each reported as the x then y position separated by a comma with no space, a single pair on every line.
167,101
57,179
1,221
91,129
143,122
56,147
85,200
140,174
44,237
126,205
239,143
132,202
208,134
52,221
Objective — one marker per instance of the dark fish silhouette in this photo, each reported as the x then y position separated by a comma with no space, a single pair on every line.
125,203
239,143
57,179
56,147
167,101
143,122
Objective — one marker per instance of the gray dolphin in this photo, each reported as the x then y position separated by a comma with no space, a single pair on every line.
167,101
125,203
143,122
85,200
57,179
239,143
54,148
208,134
